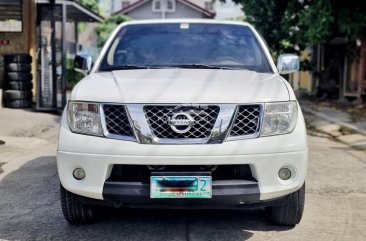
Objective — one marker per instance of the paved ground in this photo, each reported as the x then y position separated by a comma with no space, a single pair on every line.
30,208
348,115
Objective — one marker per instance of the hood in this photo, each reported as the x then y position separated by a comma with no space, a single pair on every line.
181,86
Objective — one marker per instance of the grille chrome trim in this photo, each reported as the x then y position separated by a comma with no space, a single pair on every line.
200,120
140,124
144,135
105,129
258,124
223,124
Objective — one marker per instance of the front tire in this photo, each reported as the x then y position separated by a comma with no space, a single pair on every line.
291,211
74,211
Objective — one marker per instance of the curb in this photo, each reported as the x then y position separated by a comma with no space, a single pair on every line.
333,120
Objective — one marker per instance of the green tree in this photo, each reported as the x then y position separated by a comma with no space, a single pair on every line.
105,28
292,25
90,4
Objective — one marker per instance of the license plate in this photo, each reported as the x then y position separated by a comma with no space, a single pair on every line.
180,187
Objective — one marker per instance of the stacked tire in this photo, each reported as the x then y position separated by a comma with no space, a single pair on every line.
18,81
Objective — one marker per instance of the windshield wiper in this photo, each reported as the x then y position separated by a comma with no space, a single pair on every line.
200,66
183,66
127,66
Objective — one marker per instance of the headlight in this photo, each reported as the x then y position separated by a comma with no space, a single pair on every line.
84,118
279,118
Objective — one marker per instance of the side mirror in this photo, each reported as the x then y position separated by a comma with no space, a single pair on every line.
288,63
83,63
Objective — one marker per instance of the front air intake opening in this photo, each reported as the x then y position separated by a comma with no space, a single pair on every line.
142,173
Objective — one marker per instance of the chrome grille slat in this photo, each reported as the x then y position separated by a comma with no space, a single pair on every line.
116,120
246,121
158,118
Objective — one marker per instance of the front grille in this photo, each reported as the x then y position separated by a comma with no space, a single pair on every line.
246,121
159,117
116,120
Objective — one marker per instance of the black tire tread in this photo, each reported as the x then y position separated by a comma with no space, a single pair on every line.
74,211
17,95
18,58
20,85
15,104
290,212
16,76
15,67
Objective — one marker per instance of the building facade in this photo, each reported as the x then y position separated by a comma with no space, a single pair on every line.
160,9
47,31
339,71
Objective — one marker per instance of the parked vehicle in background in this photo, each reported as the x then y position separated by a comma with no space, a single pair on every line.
187,114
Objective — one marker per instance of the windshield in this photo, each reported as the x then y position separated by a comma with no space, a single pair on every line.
185,45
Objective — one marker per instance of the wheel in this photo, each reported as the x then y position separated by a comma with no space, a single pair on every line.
15,76
290,212
15,67
18,58
18,103
74,211
17,95
19,85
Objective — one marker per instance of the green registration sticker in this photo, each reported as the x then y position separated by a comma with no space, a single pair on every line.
180,187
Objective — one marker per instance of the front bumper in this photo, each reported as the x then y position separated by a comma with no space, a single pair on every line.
265,156
228,193
263,167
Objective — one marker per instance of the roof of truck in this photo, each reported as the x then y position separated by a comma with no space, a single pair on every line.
186,20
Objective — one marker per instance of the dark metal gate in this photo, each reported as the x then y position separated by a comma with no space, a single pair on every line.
51,74
52,17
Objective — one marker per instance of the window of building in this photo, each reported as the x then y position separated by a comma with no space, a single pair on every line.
125,4
170,5
209,5
156,6
11,16
163,5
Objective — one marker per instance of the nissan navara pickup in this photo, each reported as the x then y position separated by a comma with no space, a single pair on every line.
183,114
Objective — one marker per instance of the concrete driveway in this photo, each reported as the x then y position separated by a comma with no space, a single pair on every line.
30,207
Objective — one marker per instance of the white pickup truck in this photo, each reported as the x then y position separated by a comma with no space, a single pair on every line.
185,114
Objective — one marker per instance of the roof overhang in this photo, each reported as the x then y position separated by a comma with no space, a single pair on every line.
188,3
130,7
75,11
204,11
